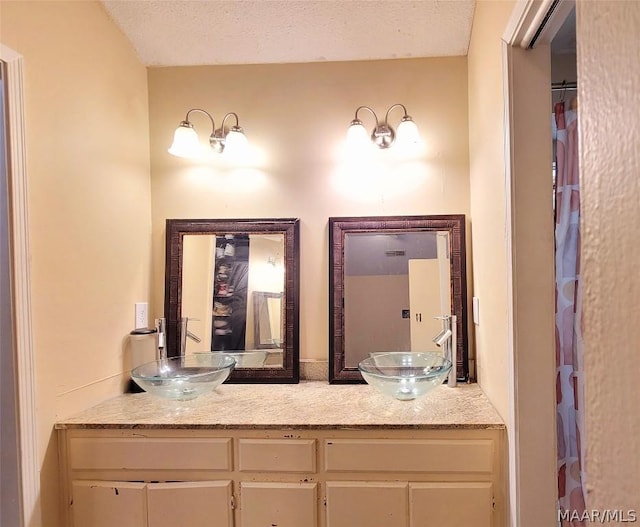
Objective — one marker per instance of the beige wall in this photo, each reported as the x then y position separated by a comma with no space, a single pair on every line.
488,199
298,115
609,79
89,205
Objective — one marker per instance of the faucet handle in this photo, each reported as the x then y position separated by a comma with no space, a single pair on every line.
184,333
193,336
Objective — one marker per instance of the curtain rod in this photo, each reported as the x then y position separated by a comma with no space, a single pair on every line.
558,86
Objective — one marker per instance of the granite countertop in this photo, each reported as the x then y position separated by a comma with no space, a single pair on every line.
308,405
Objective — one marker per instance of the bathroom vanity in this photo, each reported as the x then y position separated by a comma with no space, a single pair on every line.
306,455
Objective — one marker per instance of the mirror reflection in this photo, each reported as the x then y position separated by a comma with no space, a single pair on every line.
394,282
236,284
267,308
394,287
232,312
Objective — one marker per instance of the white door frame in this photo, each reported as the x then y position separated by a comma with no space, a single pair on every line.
19,225
530,240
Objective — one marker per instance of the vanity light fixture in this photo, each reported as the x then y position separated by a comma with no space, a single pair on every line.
223,139
383,135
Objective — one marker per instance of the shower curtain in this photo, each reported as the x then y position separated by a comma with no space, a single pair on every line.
569,346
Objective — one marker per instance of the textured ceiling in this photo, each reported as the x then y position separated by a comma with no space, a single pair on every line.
191,32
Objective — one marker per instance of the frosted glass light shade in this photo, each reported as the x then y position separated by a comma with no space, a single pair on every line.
235,143
407,132
357,136
185,142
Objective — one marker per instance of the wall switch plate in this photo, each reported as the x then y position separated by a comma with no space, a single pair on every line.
142,315
476,310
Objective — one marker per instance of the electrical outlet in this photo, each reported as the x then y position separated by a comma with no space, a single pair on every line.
142,315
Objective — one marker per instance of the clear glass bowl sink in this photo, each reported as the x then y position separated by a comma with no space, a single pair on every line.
405,375
244,359
183,378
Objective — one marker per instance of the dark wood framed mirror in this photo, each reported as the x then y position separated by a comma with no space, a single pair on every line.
217,273
389,277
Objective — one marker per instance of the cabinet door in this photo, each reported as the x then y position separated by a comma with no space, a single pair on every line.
375,504
281,504
109,504
450,504
193,504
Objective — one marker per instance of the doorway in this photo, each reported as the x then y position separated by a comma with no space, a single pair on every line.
16,303
9,441
528,98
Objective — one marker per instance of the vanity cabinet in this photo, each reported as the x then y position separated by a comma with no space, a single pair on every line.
460,493
250,477
137,504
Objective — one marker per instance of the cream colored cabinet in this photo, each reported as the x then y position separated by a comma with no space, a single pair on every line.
262,477
374,504
385,504
457,504
290,502
434,503
265,504
130,504
192,504
109,503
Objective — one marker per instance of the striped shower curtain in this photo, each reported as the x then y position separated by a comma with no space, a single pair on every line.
569,347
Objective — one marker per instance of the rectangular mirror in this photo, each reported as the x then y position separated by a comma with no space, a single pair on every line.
237,282
390,277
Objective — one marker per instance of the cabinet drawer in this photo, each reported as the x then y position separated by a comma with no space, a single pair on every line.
277,455
428,455
150,453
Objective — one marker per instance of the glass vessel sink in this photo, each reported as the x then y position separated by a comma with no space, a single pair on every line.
405,375
244,359
183,378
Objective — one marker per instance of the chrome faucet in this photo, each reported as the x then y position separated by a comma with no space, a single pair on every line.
184,333
161,327
446,340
